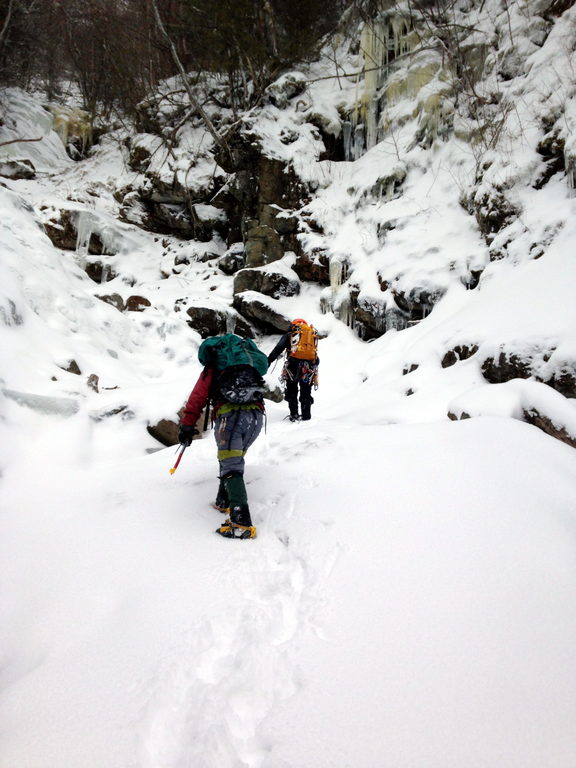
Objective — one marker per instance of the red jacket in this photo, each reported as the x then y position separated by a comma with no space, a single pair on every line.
198,398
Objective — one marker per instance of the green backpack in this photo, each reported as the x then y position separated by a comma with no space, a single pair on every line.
227,350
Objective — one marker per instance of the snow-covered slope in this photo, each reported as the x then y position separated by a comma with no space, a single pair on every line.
409,601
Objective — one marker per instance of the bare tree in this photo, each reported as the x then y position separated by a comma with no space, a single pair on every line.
219,140
6,22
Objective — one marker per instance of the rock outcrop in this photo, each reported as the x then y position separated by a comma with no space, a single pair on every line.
270,283
209,321
261,311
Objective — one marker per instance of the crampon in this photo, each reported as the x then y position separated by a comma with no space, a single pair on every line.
232,530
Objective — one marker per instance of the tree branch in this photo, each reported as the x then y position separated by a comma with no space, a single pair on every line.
6,21
16,141
193,101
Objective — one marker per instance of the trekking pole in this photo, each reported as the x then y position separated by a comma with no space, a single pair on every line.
180,454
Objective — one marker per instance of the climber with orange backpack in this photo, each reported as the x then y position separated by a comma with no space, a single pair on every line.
300,371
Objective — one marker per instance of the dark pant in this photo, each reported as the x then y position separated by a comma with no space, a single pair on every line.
235,432
298,378
293,387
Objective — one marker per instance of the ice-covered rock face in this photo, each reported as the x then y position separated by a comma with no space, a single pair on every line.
400,62
74,127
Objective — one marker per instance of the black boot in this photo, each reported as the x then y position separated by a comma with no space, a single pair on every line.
306,401
239,526
222,502
240,515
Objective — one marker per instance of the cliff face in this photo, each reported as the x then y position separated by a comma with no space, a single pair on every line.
479,98
423,155
417,176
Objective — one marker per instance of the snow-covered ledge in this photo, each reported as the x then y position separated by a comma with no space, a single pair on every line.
528,401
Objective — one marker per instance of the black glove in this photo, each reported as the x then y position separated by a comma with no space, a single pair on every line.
186,433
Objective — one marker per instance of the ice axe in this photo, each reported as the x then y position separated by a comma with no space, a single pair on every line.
180,454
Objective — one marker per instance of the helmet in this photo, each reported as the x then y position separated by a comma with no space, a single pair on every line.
298,321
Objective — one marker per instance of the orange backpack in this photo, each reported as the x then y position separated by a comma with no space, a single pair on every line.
303,342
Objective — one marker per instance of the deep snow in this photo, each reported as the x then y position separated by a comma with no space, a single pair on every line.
409,601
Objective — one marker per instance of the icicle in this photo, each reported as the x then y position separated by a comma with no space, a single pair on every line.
374,45
570,165
359,144
109,238
84,232
326,301
347,139
394,320
335,271
381,42
344,311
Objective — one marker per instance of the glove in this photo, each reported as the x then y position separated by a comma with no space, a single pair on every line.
185,434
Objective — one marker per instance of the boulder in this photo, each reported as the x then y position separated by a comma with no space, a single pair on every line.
460,352
492,209
556,8
273,284
233,260
137,303
62,231
72,367
99,272
171,218
313,266
164,188
165,431
212,322
282,221
285,88
115,300
207,220
505,367
548,425
17,169
274,394
530,401
134,210
563,381
254,306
